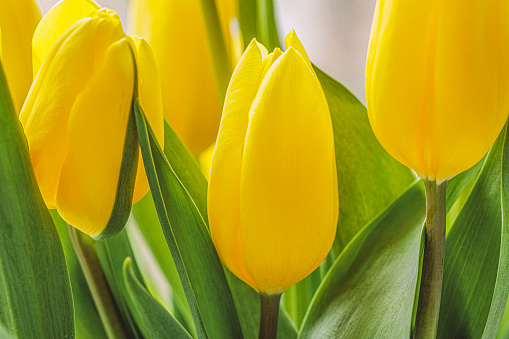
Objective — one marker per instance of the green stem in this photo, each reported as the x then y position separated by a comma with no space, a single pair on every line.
220,58
96,281
269,315
428,307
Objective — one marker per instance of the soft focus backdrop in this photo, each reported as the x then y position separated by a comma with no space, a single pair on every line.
334,32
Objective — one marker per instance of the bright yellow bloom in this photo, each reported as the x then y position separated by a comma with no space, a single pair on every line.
77,115
272,197
437,81
18,20
176,31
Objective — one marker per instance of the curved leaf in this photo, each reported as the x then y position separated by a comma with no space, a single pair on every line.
185,230
476,270
370,290
158,322
87,321
369,179
35,292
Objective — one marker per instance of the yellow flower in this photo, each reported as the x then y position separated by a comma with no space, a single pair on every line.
437,82
176,31
77,119
18,19
272,196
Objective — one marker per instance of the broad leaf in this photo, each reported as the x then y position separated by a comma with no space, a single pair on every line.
185,230
370,290
476,272
157,321
369,179
35,293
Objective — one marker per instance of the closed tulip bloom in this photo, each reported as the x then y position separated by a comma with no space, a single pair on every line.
77,119
437,82
176,30
18,20
272,196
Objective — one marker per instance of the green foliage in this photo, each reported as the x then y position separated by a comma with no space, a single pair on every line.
476,272
156,320
35,293
369,291
369,179
199,267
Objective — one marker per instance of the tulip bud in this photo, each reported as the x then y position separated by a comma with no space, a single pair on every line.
77,119
272,196
437,82
176,30
18,20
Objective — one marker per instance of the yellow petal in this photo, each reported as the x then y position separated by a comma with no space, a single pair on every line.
224,185
291,40
286,201
176,32
149,92
436,82
56,21
65,73
271,58
97,130
18,20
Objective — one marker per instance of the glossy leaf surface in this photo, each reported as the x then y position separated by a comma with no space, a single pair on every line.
370,290
35,292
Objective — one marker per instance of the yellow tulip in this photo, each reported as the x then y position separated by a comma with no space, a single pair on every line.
176,31
272,196
77,115
437,82
18,20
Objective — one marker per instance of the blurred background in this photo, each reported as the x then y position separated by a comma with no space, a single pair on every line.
335,33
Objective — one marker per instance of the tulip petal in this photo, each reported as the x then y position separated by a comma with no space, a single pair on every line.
291,40
286,201
149,92
224,185
55,22
45,113
97,129
18,21
435,76
190,98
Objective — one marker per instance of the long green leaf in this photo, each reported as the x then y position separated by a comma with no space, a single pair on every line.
199,267
159,323
35,292
86,319
370,290
369,179
476,271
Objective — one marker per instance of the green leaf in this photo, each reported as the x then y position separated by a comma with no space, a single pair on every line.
35,293
155,261
369,179
476,271
86,319
370,290
199,267
158,322
111,254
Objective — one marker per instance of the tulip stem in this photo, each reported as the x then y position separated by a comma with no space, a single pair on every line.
269,315
96,281
428,307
